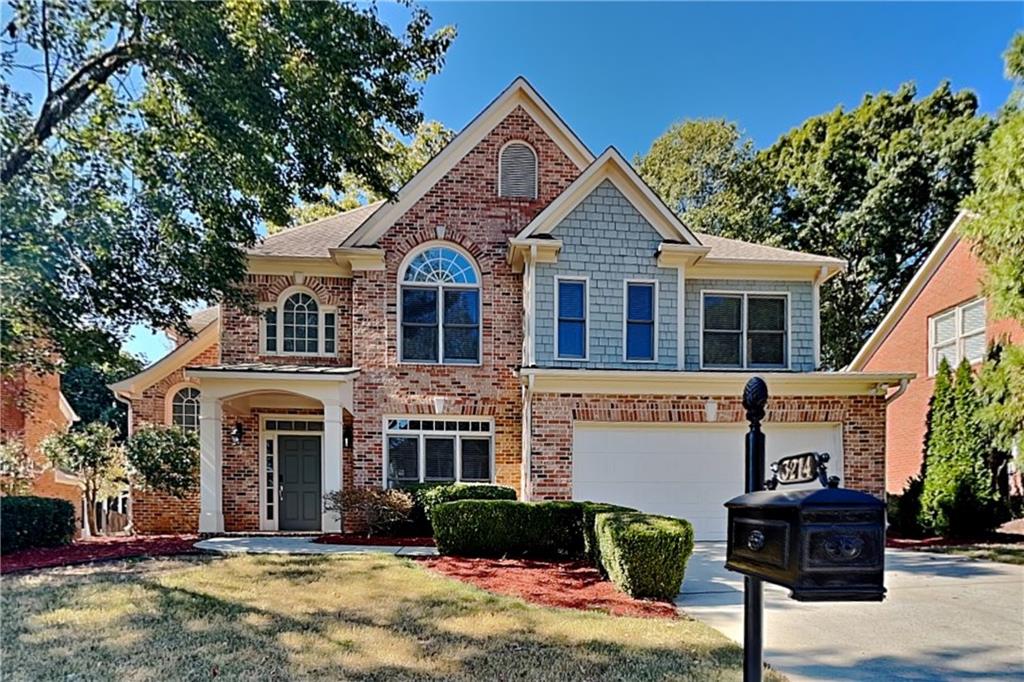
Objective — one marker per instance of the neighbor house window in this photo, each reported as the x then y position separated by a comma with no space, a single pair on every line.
571,307
957,334
440,308
517,171
439,450
641,302
185,409
299,324
744,331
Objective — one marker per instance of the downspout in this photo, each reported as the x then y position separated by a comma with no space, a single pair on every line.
527,437
130,528
904,383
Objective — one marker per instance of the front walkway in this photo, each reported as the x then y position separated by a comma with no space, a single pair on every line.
299,545
944,618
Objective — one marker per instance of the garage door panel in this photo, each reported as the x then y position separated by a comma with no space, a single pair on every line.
687,471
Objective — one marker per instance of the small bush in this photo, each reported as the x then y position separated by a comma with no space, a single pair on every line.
903,510
385,511
429,495
509,528
643,554
165,458
35,522
590,510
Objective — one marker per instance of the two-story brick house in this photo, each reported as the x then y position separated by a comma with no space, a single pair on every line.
521,313
941,314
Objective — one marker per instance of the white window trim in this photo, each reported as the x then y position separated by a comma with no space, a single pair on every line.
536,170
479,287
169,401
625,320
265,435
586,317
743,329
322,312
956,312
421,435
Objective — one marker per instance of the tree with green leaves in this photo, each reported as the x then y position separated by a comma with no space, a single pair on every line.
85,387
696,167
163,134
407,159
959,496
996,228
93,455
164,459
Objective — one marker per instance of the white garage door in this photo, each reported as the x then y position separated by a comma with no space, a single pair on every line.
686,471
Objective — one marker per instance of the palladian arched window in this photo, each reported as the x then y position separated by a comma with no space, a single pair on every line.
185,409
299,325
440,308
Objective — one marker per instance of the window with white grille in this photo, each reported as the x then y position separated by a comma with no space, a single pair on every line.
957,334
517,171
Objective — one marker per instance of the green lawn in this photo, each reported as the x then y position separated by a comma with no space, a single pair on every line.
353,617
1004,553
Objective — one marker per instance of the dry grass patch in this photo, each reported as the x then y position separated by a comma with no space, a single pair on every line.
363,617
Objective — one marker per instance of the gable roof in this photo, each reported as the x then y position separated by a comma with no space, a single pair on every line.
315,239
924,274
612,167
518,94
133,386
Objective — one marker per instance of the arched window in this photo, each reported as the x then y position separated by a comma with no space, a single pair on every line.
185,409
440,308
517,171
299,325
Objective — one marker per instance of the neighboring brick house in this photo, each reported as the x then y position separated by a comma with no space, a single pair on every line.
941,313
521,313
33,407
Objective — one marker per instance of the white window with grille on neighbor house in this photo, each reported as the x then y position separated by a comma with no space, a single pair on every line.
517,171
957,334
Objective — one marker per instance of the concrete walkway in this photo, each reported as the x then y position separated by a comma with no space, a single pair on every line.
269,544
944,618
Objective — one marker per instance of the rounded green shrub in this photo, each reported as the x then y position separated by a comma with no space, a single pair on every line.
643,554
35,522
509,528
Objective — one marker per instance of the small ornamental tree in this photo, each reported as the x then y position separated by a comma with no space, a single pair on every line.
17,470
93,455
958,497
164,459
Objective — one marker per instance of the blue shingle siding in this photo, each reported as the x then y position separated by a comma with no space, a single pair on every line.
801,316
606,240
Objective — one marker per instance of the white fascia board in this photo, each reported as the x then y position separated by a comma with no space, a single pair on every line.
179,357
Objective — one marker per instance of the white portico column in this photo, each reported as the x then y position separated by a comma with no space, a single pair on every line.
331,461
211,515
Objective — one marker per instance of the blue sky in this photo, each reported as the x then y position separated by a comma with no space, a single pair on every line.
620,74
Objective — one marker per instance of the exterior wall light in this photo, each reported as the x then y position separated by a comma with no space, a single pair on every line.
237,433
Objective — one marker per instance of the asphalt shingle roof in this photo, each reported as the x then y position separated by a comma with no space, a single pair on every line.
315,239
734,249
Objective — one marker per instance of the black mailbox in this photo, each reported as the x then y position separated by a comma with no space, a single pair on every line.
824,545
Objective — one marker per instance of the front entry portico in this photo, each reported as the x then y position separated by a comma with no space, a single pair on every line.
258,472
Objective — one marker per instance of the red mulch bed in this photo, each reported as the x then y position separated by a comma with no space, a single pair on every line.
925,543
565,584
357,539
97,549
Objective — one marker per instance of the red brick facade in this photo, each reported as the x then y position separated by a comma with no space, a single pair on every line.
906,348
862,417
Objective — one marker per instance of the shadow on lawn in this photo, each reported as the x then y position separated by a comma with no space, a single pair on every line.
351,618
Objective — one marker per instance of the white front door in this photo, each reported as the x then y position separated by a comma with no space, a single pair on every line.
682,470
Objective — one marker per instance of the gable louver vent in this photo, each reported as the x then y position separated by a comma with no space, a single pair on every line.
518,171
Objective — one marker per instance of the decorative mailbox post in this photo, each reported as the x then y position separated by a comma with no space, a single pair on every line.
825,544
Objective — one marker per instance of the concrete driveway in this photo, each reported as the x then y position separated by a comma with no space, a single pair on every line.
945,618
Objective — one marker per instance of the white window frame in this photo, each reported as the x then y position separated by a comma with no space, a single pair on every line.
479,287
586,317
625,320
422,434
322,312
536,170
272,435
746,295
959,335
169,399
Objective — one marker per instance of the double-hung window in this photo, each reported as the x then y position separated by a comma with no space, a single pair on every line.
957,334
439,449
641,303
572,318
440,308
741,330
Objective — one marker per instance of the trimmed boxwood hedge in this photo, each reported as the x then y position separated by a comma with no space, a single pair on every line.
35,522
428,495
645,555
